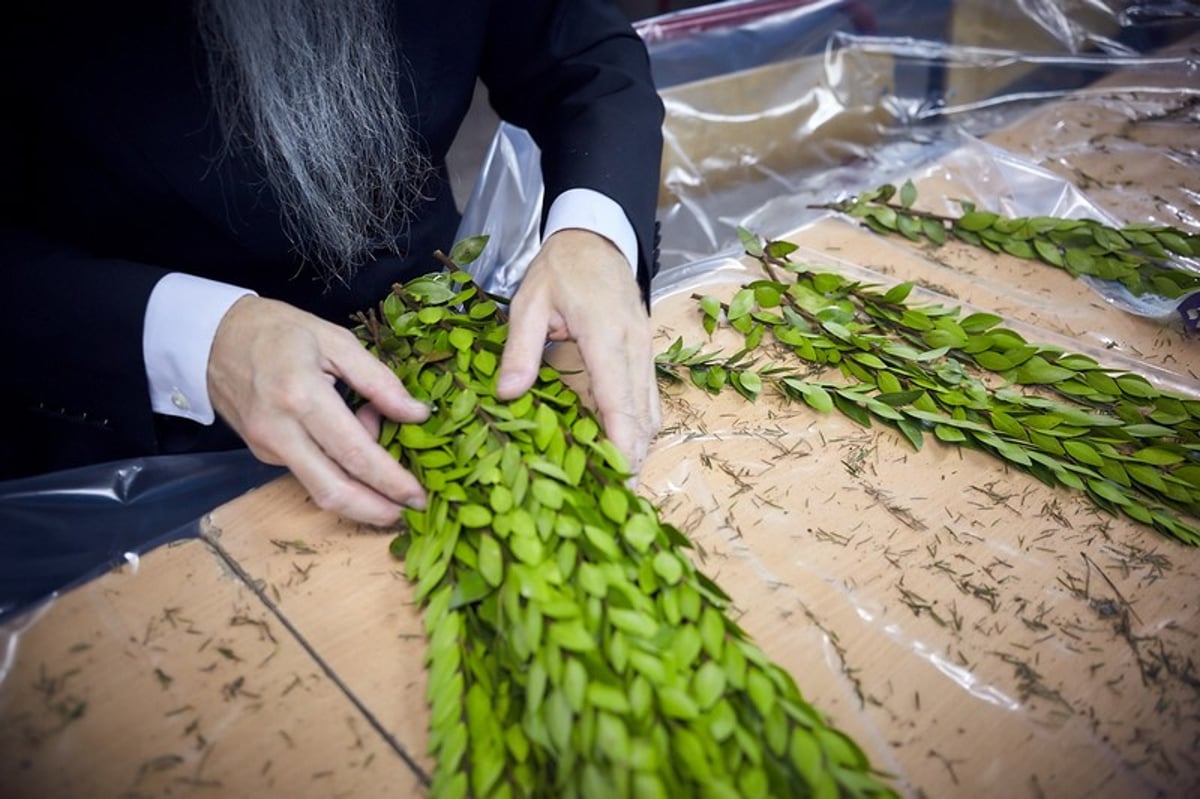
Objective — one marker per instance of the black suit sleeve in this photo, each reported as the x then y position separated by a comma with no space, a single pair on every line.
577,77
70,323
71,349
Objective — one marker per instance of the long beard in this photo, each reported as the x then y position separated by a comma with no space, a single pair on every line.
311,88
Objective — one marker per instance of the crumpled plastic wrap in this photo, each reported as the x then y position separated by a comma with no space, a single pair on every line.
978,633
820,99
62,528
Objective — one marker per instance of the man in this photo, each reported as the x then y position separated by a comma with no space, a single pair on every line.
197,197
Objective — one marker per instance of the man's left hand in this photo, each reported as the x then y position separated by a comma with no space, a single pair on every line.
580,288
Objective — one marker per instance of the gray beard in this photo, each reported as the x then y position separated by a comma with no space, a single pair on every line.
310,87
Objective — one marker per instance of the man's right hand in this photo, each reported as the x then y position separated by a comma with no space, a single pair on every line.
271,376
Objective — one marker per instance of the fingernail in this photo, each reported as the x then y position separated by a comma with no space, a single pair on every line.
507,382
416,502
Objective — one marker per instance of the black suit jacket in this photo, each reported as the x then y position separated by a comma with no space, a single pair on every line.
111,178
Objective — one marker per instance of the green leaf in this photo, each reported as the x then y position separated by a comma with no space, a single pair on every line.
1145,475
467,250
868,359
1137,386
1083,452
751,382
527,549
711,306
912,432
740,305
547,425
750,242
974,221
908,194
633,622
482,310
883,216
473,515
767,295
668,567
934,231
1017,248
1157,456
491,560
1037,371
1048,252
1148,431
781,249
607,697
1175,243
816,396
413,436
571,636
949,434
399,546
993,361
461,338
640,531
979,322
469,589
1079,262
898,293
708,684
676,703
761,691
614,503
1108,491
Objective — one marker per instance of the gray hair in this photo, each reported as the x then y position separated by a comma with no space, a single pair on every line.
310,86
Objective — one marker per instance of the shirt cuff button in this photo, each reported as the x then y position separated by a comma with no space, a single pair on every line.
180,401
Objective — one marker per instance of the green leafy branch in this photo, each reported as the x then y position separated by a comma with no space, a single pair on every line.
574,649
1137,256
1130,447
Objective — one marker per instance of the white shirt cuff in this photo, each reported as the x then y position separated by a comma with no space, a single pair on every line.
591,210
177,335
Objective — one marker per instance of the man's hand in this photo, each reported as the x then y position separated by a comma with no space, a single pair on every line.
580,287
271,376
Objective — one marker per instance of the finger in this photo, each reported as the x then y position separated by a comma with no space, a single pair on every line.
333,490
619,390
343,439
527,328
373,380
656,417
371,420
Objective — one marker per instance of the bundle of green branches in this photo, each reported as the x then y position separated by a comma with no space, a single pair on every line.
1132,448
574,649
1137,256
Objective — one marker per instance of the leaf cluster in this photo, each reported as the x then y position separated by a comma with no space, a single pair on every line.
574,648
967,380
1137,256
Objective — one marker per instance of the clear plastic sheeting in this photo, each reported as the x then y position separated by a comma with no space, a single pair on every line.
758,147
62,528
997,180
773,106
